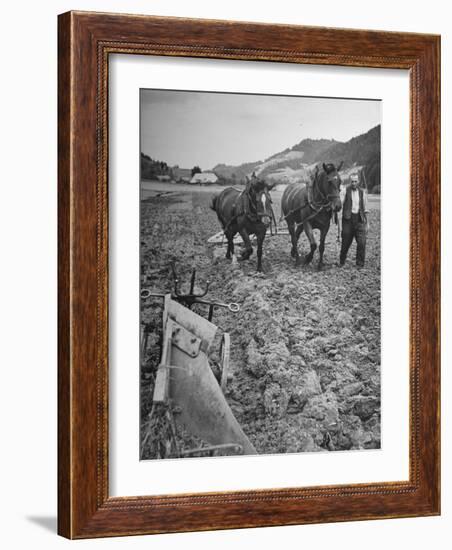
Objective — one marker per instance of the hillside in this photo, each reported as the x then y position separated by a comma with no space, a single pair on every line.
151,168
235,172
293,163
363,150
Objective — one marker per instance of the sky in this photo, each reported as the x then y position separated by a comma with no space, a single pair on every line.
205,128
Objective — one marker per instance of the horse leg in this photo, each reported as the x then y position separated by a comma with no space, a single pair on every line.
294,250
248,248
295,231
310,235
230,238
298,232
323,233
260,240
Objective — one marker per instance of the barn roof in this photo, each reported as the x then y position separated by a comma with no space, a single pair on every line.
204,177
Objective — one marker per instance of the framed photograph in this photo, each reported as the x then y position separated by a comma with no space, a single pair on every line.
249,259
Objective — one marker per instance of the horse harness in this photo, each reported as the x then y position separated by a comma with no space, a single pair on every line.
253,217
315,207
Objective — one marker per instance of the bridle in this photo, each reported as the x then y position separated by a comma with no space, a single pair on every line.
253,201
326,197
316,207
253,206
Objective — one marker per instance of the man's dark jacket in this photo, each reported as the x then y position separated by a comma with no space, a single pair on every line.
347,206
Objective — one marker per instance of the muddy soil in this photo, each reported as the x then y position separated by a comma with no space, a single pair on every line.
305,346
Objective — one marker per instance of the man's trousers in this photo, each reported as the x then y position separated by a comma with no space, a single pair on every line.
354,228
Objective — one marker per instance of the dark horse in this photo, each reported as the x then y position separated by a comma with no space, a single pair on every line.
248,212
308,207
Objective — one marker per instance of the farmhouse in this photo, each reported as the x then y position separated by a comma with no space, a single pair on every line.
204,178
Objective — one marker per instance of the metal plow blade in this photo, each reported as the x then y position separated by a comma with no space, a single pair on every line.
204,410
187,381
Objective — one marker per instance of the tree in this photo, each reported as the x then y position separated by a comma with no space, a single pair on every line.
195,170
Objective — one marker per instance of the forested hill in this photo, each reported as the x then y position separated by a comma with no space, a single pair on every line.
292,163
363,150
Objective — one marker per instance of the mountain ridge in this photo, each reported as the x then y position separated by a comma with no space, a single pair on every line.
294,163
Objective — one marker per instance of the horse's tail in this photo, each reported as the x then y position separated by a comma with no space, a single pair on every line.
213,204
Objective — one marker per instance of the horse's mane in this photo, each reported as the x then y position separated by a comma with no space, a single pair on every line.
321,173
317,182
257,184
321,177
329,167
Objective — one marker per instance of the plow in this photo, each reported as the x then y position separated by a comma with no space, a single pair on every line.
188,401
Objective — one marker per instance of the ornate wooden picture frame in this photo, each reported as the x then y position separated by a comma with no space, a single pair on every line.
86,40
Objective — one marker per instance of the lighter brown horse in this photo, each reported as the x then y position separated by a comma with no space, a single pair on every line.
307,207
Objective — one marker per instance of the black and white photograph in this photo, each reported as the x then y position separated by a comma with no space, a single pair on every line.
259,274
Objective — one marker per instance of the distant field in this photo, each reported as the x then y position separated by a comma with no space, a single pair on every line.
150,187
157,188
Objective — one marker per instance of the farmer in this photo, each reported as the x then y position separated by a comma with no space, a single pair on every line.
355,224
